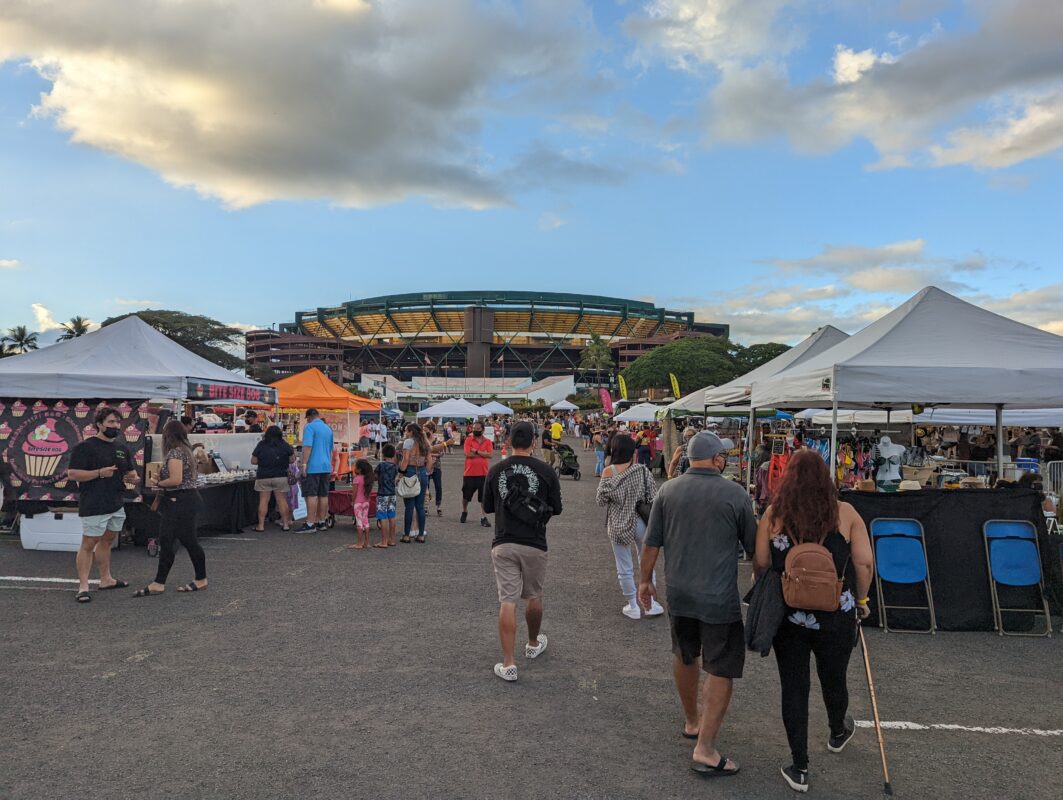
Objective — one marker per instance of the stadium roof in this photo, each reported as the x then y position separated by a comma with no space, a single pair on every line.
437,314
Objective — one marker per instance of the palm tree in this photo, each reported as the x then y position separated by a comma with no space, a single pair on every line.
19,340
78,326
596,356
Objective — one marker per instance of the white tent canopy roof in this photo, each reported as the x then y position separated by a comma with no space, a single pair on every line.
935,348
129,359
495,407
1020,418
693,403
564,405
643,412
738,390
453,408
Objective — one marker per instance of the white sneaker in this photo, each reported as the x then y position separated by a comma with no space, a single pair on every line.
535,652
631,612
655,610
506,673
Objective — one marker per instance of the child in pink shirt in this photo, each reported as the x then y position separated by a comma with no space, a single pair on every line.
362,489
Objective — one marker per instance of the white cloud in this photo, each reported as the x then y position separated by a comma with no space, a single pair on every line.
549,221
688,33
357,102
10,263
44,318
1007,73
122,301
244,326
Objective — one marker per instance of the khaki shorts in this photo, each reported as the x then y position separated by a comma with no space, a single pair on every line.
96,526
520,571
272,485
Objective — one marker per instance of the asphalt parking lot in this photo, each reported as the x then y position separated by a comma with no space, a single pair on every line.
309,670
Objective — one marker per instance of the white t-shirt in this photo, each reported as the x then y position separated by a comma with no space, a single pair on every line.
379,431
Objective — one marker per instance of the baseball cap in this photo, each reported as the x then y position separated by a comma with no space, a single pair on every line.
522,435
706,445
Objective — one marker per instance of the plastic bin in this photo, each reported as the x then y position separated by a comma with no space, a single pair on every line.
51,531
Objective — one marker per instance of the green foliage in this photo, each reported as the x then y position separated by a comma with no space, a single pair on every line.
77,326
19,340
585,400
596,357
697,362
204,336
263,373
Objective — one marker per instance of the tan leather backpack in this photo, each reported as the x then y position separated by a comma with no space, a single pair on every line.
810,581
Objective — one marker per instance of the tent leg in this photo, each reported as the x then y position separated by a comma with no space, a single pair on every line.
749,445
1000,441
834,440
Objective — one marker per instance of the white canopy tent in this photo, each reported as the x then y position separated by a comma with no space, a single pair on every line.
642,412
564,405
693,403
933,349
452,408
495,407
128,359
1017,417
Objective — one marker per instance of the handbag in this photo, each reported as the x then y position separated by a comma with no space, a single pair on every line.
643,507
408,486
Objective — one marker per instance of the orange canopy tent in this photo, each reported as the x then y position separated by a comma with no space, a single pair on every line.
313,389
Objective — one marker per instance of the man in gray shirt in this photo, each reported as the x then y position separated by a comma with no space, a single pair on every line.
697,518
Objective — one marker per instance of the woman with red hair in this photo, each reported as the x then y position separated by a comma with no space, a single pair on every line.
805,510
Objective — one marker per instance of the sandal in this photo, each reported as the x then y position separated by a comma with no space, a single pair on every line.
420,539
116,585
405,540
439,511
191,587
83,597
717,770
145,592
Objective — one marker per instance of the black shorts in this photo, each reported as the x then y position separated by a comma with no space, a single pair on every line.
316,484
473,485
721,647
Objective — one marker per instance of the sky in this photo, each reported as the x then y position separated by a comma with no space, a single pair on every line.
772,164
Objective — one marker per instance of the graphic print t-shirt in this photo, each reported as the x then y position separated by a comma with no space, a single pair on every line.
542,482
385,478
103,495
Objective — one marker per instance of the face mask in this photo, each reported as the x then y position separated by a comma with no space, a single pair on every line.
477,434
110,433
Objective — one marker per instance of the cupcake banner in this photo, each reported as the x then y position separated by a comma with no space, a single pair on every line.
37,436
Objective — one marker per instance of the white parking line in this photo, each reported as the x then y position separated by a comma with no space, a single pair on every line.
897,725
41,580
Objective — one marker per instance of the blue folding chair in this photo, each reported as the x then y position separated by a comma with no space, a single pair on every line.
1014,560
900,557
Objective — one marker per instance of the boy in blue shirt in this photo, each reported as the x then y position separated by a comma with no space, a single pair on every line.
386,472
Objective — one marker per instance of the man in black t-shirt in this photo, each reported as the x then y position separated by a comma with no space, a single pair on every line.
523,493
253,425
100,466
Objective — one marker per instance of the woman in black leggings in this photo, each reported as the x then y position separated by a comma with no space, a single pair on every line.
805,509
179,504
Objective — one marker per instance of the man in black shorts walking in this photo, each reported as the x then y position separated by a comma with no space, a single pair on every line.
478,449
698,518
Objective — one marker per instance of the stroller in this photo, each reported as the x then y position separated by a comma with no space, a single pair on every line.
566,462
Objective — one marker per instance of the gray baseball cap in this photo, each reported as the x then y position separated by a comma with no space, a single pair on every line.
706,445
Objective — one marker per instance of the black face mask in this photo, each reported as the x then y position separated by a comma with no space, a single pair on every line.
110,433
477,434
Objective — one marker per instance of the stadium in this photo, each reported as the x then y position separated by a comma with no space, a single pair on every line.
471,334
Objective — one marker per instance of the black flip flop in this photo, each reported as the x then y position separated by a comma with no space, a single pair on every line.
117,585
83,597
718,771
689,735
145,592
191,587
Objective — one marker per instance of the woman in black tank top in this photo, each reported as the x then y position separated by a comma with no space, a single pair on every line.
805,509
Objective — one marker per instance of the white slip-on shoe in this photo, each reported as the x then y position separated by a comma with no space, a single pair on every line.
535,652
506,673
631,612
655,610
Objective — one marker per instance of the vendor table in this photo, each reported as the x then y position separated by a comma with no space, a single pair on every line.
227,508
952,525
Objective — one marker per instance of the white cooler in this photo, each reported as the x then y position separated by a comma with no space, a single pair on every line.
51,531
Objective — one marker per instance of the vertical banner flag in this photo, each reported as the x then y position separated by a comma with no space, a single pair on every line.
675,385
607,401
623,386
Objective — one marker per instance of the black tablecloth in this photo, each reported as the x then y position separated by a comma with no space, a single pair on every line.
227,508
952,524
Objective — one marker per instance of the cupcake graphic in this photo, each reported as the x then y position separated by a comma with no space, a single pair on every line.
5,431
42,450
24,496
142,409
132,433
89,430
60,484
15,481
46,496
81,410
125,409
39,407
18,409
3,408
61,407
71,497
139,458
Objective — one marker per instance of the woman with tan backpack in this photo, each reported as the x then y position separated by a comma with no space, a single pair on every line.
822,550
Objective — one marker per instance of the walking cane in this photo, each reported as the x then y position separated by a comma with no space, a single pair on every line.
887,788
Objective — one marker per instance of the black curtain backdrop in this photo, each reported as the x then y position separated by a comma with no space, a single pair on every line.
228,508
952,524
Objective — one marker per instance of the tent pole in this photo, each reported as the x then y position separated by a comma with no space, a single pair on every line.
1000,441
834,440
749,445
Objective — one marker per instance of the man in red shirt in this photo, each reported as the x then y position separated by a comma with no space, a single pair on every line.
478,449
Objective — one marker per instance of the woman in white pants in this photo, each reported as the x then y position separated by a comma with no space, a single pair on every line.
624,486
